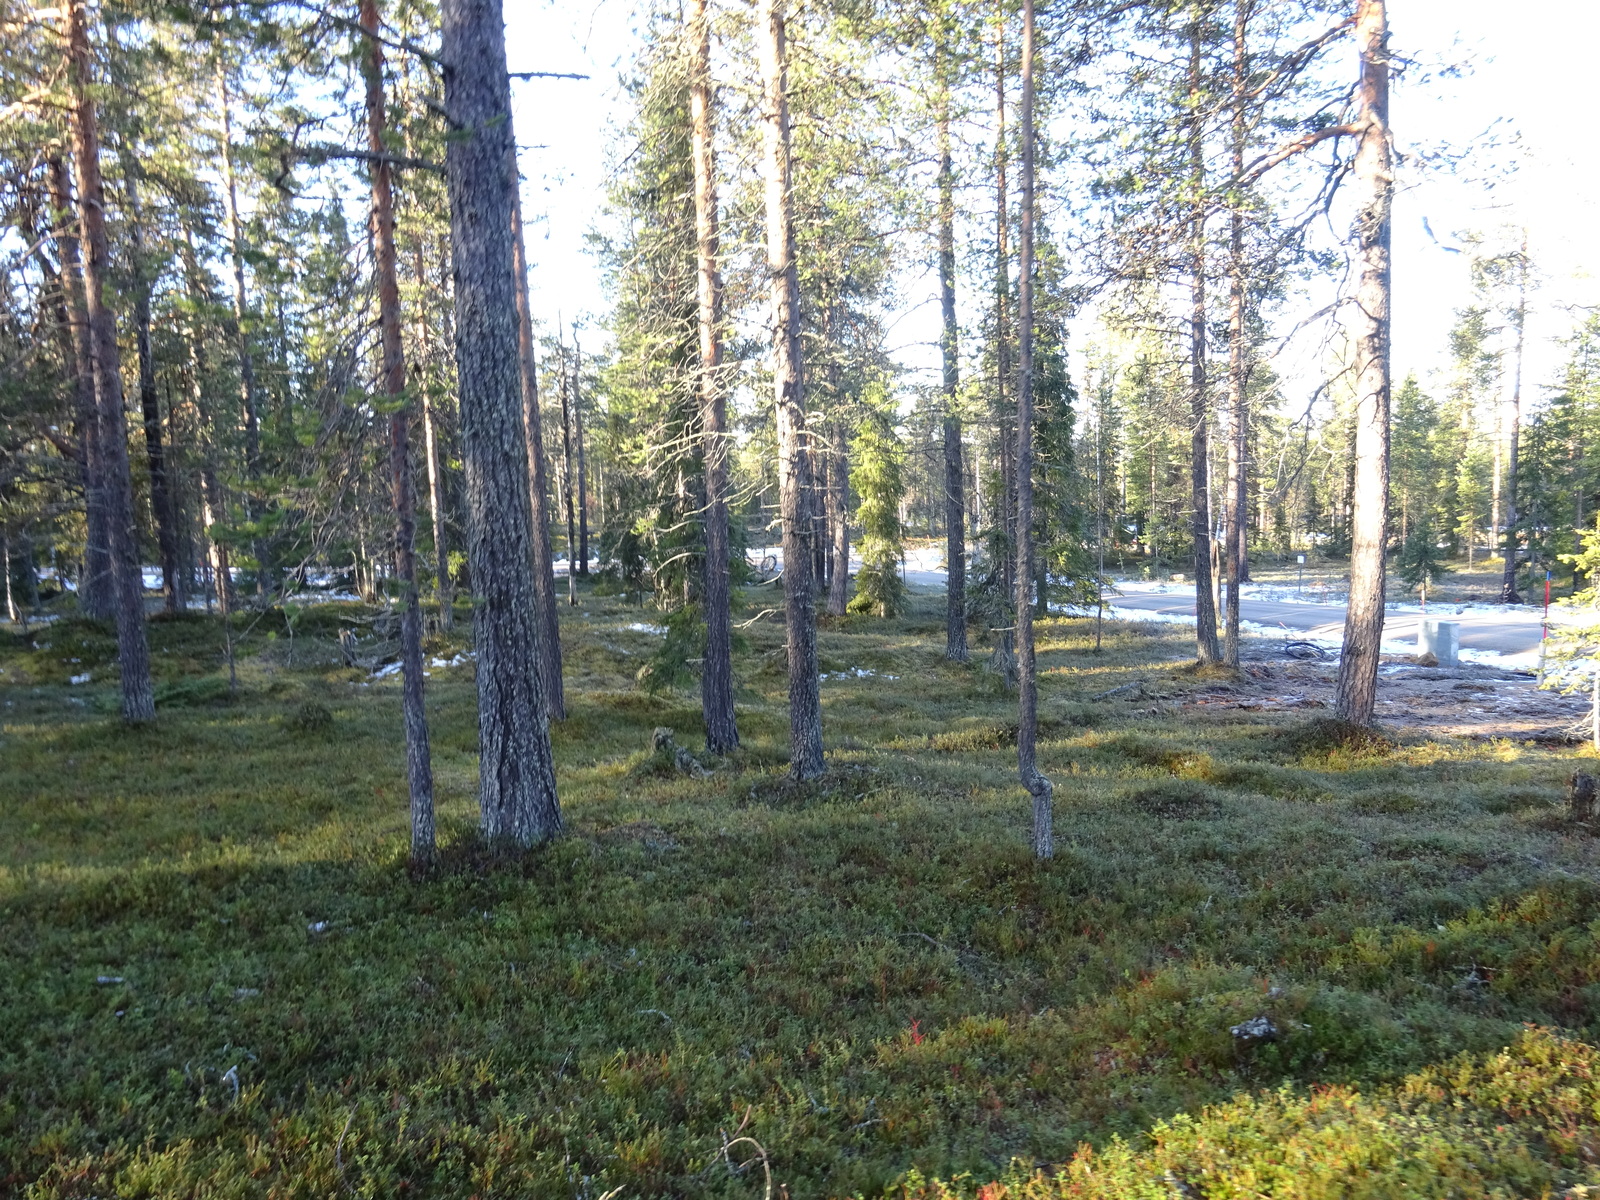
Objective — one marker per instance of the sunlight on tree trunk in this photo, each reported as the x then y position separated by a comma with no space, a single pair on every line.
1038,786
955,544
122,543
419,762
794,464
544,570
716,682
1356,692
517,786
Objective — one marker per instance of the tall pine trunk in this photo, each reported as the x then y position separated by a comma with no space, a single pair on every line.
248,399
544,563
716,681
241,332
1199,407
1238,415
430,438
794,462
133,649
419,766
1002,293
839,521
1038,786
1519,320
1357,687
577,446
213,503
173,585
96,586
12,614
517,785
566,478
955,545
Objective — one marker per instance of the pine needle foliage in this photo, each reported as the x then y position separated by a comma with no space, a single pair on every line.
877,475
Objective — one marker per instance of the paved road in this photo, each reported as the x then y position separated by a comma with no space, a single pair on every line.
1503,633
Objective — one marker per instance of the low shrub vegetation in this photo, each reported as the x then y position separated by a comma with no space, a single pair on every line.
1268,959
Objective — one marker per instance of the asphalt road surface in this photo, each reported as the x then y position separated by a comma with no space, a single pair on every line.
1503,633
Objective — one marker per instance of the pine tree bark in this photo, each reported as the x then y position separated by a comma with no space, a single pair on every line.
794,464
716,681
1039,788
1199,406
248,398
1355,694
1519,320
577,445
430,438
817,506
133,650
241,301
544,563
213,503
1238,414
419,763
955,546
517,795
96,586
839,521
173,585
567,473
1002,293
12,614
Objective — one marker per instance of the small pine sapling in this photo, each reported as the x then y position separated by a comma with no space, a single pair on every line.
1420,564
877,475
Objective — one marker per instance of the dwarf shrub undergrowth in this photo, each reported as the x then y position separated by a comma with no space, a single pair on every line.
220,979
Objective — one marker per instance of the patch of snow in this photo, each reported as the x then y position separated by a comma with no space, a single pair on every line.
642,627
464,657
76,679
855,673
387,670
1524,659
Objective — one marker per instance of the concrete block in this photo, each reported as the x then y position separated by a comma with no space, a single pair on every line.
1442,639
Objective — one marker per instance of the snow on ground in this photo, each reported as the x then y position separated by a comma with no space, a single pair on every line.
1525,660
1278,593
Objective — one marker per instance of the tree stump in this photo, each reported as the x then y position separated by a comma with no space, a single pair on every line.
1581,796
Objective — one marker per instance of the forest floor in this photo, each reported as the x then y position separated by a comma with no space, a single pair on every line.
1268,958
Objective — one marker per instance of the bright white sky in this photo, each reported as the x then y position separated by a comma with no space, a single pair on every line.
1532,71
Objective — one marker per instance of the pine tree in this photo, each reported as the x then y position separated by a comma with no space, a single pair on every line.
716,687
516,773
1038,787
877,476
1356,690
794,469
1419,563
419,764
122,544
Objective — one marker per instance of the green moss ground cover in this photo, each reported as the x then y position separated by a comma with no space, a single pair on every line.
220,980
